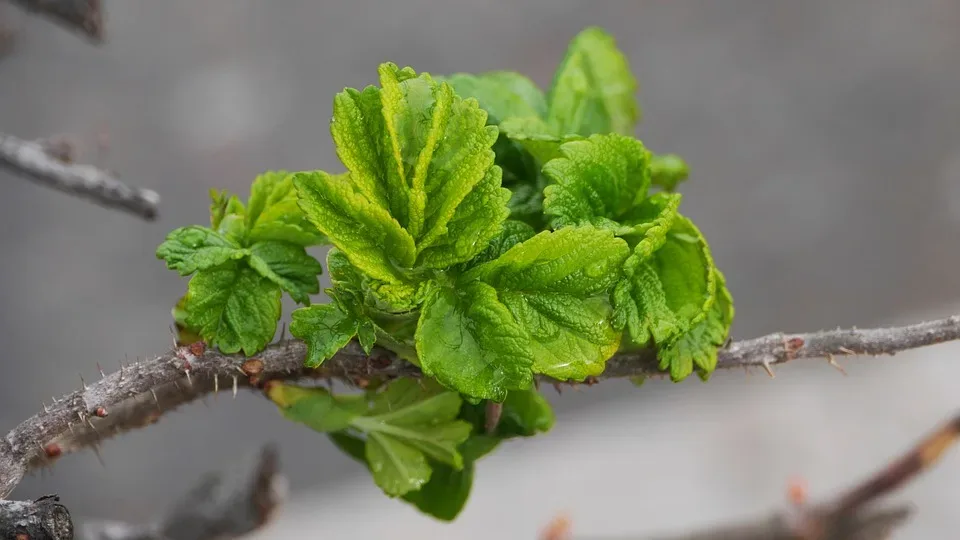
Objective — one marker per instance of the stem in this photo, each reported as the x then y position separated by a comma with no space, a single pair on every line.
138,394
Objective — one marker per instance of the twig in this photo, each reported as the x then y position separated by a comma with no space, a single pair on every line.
82,16
50,166
140,393
43,519
850,516
223,505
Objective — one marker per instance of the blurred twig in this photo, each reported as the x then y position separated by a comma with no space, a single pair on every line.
851,516
223,505
50,164
82,16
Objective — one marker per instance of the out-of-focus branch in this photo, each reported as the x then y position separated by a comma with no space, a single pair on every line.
50,165
82,16
138,394
851,516
43,519
223,505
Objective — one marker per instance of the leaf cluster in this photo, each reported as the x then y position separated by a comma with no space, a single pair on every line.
483,229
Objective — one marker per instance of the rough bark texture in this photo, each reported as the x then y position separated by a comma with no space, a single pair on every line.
51,167
43,519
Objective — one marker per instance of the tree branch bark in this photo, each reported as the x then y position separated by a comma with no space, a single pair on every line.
138,394
52,168
43,519
82,16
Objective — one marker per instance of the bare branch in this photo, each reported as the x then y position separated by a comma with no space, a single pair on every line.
43,519
49,165
850,516
224,505
138,394
82,16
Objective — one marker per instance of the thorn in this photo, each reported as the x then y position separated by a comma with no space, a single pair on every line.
556,386
216,385
155,400
45,409
234,386
121,370
54,399
70,425
846,351
96,451
175,383
833,362
768,368
80,416
82,382
93,427
100,369
189,380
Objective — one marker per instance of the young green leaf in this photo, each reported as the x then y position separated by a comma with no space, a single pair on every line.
535,135
289,266
227,216
503,94
640,304
274,215
233,307
687,272
697,349
470,342
397,467
596,181
325,328
650,221
593,88
555,286
513,233
193,248
668,170
316,408
366,233
415,151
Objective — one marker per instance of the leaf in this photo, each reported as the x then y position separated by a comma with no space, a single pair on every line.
415,150
477,220
513,233
525,413
555,285
593,88
193,248
366,233
650,221
668,170
687,272
596,181
640,305
536,136
233,307
325,328
397,467
698,347
274,215
289,266
470,342
503,94
227,216
316,408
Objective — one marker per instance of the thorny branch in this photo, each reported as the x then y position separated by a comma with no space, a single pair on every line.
50,165
138,394
224,504
42,519
851,516
83,16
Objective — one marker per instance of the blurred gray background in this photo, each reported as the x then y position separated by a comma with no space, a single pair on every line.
824,140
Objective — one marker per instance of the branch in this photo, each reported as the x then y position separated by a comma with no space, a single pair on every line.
224,505
140,393
82,16
43,519
49,165
850,516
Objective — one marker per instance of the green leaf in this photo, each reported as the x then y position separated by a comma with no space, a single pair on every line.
687,272
596,181
415,150
477,220
397,467
233,307
593,88
289,266
513,233
668,170
366,233
503,94
470,342
536,136
325,328
525,413
227,216
698,347
555,286
273,213
650,221
316,408
193,248
640,304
